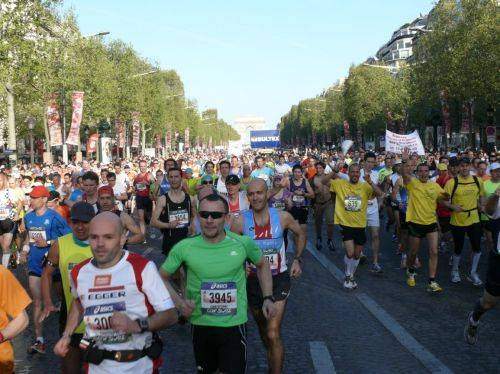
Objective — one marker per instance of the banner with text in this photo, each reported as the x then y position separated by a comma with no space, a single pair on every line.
92,143
76,119
395,143
54,121
136,129
264,139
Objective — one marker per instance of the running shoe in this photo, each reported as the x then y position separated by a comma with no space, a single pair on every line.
450,262
353,283
410,280
318,244
362,259
474,278
417,263
37,347
376,269
471,330
347,283
394,238
331,246
442,247
455,277
434,287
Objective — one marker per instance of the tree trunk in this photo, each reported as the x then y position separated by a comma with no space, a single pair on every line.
11,119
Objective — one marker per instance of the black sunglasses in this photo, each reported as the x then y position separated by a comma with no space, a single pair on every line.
215,215
207,182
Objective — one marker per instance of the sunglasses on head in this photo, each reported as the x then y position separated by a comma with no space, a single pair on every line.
215,215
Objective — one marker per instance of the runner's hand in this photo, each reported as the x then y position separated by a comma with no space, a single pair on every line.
457,208
62,346
23,257
269,309
296,270
49,308
40,242
368,179
123,323
186,308
173,224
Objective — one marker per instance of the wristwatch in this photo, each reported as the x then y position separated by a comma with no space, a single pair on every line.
143,324
269,297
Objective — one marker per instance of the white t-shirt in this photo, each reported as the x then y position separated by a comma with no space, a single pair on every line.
282,169
133,286
372,207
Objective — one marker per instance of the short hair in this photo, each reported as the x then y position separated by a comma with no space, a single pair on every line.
224,162
213,197
111,175
90,175
321,163
354,165
422,164
67,175
259,157
370,155
169,160
207,163
296,167
175,168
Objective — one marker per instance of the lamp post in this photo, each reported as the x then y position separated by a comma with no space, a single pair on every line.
31,126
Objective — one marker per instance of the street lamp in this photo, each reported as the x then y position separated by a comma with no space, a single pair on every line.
31,126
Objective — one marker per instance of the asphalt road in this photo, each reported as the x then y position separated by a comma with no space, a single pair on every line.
382,327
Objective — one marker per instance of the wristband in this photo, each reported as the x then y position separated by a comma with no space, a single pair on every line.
299,259
269,297
143,324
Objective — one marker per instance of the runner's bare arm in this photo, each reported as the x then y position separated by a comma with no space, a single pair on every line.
406,173
185,307
309,191
155,217
74,319
288,222
136,236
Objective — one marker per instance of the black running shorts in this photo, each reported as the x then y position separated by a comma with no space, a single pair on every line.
220,349
420,231
357,234
281,289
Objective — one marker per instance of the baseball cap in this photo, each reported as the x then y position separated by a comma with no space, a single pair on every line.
442,167
105,190
232,179
495,165
188,171
39,191
53,195
82,211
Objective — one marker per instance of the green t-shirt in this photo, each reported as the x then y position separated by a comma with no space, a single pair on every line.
216,271
489,189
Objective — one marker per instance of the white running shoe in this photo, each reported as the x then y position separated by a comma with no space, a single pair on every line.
474,278
455,277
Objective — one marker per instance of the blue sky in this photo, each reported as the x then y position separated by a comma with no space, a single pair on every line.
251,57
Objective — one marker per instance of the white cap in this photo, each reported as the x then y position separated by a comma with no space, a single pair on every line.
495,165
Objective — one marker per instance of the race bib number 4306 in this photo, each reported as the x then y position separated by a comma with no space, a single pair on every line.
219,298
97,318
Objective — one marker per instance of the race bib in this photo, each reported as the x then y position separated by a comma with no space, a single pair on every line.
179,215
35,234
4,213
272,256
352,203
140,186
279,205
219,298
97,318
298,199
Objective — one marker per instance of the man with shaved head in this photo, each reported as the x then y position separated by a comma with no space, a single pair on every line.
122,300
265,226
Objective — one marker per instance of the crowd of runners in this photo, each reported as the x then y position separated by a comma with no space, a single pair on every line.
234,229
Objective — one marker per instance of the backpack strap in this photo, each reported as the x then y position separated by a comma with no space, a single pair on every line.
455,186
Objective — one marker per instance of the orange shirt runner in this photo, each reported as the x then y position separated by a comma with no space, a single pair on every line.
13,300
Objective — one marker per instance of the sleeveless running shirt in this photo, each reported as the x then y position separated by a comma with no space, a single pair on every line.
269,239
298,200
71,252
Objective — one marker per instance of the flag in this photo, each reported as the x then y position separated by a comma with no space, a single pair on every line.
54,121
120,133
76,119
136,129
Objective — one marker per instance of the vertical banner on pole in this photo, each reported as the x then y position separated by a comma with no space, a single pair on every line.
76,119
120,133
359,136
210,143
92,143
465,119
136,129
347,134
168,140
186,138
445,112
54,121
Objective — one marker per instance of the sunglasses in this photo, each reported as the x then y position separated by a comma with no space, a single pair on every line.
207,182
215,215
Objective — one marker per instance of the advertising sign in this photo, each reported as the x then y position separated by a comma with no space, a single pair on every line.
264,139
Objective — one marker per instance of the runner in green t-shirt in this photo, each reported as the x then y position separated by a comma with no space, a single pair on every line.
216,299
490,187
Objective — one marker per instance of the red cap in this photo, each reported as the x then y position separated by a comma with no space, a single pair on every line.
39,191
105,190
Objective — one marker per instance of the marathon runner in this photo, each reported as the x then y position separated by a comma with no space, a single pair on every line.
216,297
123,302
262,171
423,196
43,226
107,203
351,202
490,187
64,253
323,206
466,192
143,202
90,183
236,199
266,226
9,208
220,181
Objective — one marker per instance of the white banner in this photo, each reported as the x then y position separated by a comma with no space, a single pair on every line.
395,143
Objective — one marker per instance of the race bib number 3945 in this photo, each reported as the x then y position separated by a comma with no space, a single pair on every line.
219,298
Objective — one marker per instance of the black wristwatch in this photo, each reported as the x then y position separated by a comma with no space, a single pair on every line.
269,297
143,324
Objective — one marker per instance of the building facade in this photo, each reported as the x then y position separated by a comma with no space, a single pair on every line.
243,125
